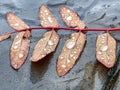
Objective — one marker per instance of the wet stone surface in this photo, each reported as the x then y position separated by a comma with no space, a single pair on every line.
87,74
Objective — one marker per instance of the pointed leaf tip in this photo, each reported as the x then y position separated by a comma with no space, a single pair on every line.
19,50
16,23
106,50
45,46
70,53
71,18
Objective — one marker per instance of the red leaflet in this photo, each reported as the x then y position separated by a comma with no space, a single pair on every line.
16,23
50,39
19,50
45,45
71,18
70,53
73,46
3,37
46,17
106,50
20,46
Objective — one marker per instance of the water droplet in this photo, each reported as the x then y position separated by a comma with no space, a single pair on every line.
69,18
50,20
74,57
65,69
61,57
43,55
68,11
45,11
73,38
72,34
15,47
99,52
68,61
63,66
42,40
104,48
20,55
15,65
102,58
44,49
75,52
103,37
18,42
62,14
44,19
16,24
50,43
70,44
17,36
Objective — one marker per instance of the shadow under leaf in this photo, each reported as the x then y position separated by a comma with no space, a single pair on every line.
39,68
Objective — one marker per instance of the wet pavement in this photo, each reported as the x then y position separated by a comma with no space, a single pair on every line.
87,74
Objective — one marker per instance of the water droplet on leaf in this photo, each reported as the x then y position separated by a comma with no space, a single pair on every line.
21,55
68,61
69,18
15,47
68,11
104,48
50,43
63,66
70,44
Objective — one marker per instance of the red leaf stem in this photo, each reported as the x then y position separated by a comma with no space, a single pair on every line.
62,28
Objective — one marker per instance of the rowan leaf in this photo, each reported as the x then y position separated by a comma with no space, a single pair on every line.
106,50
46,17
71,18
3,37
50,39
70,53
73,46
45,45
19,50
16,23
20,46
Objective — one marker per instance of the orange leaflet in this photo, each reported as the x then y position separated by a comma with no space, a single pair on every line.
73,46
20,46
50,39
106,50
5,36
16,23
